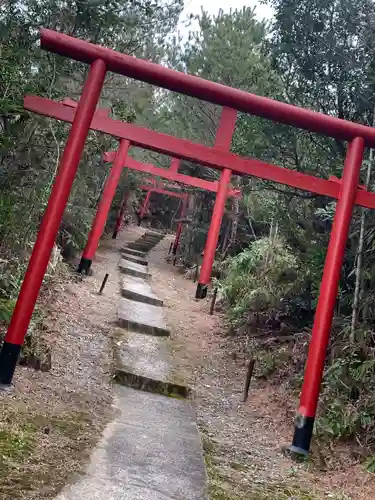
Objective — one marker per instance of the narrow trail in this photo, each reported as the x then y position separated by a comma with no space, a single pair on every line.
151,449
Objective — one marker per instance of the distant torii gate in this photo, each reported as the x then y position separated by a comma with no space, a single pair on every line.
346,192
222,189
157,187
184,202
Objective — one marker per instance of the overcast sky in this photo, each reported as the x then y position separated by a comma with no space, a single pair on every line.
213,6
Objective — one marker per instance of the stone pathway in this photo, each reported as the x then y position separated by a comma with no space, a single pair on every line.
152,450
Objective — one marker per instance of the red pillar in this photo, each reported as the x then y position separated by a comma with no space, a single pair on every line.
144,207
49,227
223,141
176,243
213,234
101,215
120,214
326,304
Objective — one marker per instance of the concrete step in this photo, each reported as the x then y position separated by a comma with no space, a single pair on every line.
154,233
139,292
144,242
145,245
152,451
146,363
140,247
134,258
134,269
136,253
143,318
151,237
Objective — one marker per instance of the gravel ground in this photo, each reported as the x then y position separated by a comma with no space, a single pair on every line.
242,440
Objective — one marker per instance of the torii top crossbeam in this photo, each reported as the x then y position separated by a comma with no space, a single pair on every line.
172,189
215,93
161,190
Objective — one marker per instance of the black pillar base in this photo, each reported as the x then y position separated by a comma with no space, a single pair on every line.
84,266
201,292
114,235
303,432
8,361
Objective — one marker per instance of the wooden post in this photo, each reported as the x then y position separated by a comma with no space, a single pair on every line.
213,301
249,374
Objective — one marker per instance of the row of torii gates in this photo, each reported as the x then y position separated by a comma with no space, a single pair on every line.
346,191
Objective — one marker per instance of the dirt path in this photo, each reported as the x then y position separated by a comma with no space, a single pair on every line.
242,441
51,421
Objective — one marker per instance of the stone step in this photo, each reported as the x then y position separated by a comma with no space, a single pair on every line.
140,247
150,239
139,292
146,363
144,244
154,233
134,258
151,235
151,451
147,243
134,269
133,252
143,318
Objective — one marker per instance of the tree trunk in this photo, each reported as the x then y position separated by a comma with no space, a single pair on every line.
358,292
189,229
234,227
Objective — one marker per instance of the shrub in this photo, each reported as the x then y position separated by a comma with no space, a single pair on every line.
261,278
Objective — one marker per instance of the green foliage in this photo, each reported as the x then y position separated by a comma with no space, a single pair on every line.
6,309
15,445
258,278
326,51
370,464
31,146
349,410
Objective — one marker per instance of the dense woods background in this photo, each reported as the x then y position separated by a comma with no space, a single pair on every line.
319,55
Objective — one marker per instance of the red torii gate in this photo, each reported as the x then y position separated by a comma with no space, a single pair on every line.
171,173
158,187
167,144
102,60
221,187
184,202
121,159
